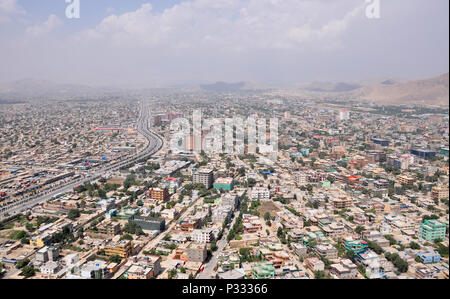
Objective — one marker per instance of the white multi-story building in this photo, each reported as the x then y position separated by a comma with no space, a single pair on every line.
202,235
220,213
50,268
260,193
344,115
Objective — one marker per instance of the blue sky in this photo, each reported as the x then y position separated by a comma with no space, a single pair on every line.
92,11
155,43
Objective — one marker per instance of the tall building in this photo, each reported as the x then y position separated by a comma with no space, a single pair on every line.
440,192
260,193
344,115
204,176
202,235
432,230
158,194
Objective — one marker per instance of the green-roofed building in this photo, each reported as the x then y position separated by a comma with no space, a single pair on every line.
264,271
432,230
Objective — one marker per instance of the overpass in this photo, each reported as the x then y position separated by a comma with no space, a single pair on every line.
155,143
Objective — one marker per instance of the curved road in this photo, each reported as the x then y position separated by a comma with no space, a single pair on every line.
155,143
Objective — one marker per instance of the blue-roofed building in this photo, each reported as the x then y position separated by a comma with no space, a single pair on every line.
430,256
382,142
423,153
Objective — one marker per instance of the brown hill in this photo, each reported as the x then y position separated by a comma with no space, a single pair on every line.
433,92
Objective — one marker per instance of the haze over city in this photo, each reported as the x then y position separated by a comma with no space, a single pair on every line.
224,147
272,43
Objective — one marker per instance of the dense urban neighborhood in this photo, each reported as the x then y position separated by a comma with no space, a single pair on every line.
97,190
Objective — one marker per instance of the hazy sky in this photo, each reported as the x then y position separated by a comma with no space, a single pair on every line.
164,42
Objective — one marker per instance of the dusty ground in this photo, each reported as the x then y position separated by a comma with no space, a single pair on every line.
268,206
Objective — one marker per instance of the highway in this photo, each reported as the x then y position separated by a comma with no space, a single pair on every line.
155,143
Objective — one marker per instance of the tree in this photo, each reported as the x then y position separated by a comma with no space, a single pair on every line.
22,263
101,193
359,229
73,214
28,271
279,232
30,227
391,240
398,262
172,273
319,275
362,269
213,245
375,247
17,234
251,182
414,246
115,259
126,237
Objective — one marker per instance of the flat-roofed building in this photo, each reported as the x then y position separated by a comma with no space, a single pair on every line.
405,179
148,223
432,230
327,251
191,252
202,235
196,252
204,176
109,228
226,184
140,272
423,273
159,194
314,264
123,248
440,192
260,193
346,269
342,202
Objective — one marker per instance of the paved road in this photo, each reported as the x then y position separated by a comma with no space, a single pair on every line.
155,143
154,242
208,270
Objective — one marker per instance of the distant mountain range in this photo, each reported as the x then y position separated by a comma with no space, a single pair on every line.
223,87
331,87
28,89
434,91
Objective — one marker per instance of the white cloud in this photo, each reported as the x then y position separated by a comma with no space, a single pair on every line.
10,7
198,41
227,24
44,28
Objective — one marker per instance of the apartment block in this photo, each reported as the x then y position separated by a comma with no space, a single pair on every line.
204,176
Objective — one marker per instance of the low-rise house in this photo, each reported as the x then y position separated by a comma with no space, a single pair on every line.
429,256
346,269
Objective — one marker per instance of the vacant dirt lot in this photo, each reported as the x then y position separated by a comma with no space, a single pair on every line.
268,206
